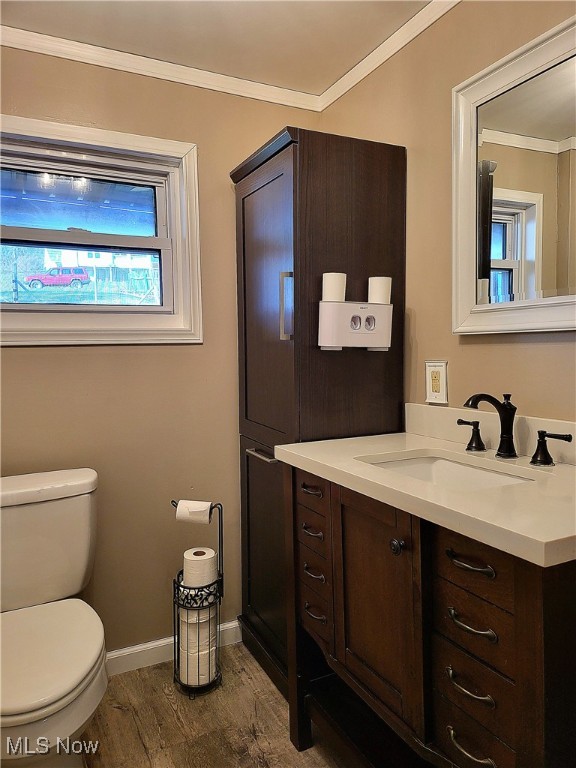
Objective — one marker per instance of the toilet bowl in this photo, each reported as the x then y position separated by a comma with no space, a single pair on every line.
53,652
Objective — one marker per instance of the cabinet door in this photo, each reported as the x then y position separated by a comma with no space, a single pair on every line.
265,241
263,547
376,624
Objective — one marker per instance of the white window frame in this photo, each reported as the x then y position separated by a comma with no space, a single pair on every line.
179,320
522,211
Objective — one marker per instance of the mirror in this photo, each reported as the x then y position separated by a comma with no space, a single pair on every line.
514,191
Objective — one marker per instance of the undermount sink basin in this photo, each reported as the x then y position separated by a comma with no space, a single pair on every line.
444,472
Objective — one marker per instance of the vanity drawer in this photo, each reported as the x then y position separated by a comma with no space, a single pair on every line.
466,742
314,571
315,615
312,492
478,690
481,628
313,530
480,569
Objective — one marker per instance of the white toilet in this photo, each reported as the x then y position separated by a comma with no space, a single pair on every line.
53,652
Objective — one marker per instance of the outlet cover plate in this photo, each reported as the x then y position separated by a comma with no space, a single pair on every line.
437,381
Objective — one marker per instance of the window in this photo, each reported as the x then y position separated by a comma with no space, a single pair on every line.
99,237
516,246
504,257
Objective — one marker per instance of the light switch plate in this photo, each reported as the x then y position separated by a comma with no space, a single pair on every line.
436,381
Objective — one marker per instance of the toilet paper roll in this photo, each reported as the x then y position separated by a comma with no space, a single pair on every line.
195,616
188,511
200,567
334,286
195,638
197,628
197,668
379,290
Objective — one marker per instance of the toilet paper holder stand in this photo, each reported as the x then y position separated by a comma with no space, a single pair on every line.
216,505
207,599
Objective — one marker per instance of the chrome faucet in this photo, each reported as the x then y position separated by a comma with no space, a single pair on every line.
506,411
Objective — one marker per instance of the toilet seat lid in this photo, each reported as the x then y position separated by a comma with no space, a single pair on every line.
47,651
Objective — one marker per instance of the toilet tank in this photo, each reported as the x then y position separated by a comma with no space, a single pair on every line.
48,527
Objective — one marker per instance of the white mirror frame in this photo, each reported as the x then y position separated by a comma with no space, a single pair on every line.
550,314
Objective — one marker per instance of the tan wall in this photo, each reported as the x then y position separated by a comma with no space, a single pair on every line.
156,422
529,171
160,422
408,101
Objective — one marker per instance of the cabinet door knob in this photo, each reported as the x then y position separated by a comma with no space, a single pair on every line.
397,545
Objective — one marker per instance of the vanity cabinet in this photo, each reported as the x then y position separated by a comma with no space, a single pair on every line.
377,632
503,674
313,563
464,652
308,203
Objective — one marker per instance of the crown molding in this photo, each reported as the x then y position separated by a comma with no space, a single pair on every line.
526,142
11,37
564,146
415,26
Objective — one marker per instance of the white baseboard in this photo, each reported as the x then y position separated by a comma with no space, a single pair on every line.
156,651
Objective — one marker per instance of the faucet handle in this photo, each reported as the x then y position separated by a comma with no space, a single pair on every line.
475,443
542,456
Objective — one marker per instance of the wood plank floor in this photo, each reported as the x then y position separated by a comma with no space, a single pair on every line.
145,722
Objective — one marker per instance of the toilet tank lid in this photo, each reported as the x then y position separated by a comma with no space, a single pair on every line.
45,486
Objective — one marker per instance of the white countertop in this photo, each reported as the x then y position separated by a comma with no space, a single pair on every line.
534,520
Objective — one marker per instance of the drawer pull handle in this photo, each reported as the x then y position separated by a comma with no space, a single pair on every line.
487,570
486,761
487,633
309,532
323,619
308,572
312,490
488,700
261,456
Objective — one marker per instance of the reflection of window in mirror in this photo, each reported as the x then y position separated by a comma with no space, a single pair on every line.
516,247
534,154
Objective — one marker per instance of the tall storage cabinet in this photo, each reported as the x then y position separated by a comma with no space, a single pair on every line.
307,203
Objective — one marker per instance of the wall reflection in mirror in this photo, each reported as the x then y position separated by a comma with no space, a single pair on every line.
526,202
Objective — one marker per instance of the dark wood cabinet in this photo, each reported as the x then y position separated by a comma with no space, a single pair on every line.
265,236
263,582
309,203
462,651
503,674
377,638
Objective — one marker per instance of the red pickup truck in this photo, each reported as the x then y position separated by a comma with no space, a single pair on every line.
75,277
